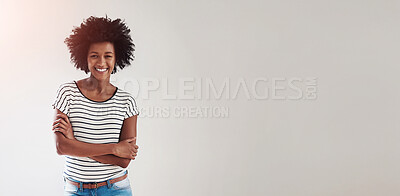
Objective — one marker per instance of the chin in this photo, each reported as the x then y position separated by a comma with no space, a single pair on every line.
105,76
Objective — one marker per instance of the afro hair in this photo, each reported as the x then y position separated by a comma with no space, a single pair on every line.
99,29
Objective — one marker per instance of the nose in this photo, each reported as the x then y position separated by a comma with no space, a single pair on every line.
102,61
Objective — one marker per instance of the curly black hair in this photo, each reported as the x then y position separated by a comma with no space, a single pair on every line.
100,29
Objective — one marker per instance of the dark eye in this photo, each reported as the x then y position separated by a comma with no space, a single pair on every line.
108,56
93,56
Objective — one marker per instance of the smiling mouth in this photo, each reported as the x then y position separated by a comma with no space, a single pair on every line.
101,70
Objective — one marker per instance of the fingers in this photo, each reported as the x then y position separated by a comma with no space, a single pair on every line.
63,116
135,148
60,126
134,152
130,140
60,121
133,156
56,121
60,130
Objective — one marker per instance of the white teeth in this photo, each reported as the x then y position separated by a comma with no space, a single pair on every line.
101,70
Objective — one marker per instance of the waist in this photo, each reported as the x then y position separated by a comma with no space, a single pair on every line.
95,185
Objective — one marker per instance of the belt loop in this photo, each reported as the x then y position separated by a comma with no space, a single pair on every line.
108,184
81,186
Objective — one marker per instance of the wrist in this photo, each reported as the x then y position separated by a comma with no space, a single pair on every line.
114,149
71,138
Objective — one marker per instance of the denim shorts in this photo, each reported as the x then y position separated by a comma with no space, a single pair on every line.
121,188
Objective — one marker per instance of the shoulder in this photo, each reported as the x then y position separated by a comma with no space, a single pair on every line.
127,96
130,103
66,89
67,85
63,97
123,93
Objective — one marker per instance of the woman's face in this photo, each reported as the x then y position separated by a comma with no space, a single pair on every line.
101,60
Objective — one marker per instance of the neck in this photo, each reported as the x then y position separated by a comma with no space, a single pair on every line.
99,86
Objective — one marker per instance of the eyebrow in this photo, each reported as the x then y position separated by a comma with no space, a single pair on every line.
97,52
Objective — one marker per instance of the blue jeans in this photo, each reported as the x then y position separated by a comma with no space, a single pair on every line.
121,188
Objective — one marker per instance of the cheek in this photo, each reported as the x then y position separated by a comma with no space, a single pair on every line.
90,62
111,63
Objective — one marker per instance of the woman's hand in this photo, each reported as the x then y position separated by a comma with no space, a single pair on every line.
126,149
62,124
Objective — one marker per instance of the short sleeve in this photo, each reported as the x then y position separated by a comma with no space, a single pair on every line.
131,108
61,101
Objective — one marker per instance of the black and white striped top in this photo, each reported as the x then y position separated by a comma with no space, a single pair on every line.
93,122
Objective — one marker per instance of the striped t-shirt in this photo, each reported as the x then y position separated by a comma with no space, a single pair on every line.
93,122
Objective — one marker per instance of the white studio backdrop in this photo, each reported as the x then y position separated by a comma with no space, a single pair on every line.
306,98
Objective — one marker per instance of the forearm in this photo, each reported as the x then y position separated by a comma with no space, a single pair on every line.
77,148
112,159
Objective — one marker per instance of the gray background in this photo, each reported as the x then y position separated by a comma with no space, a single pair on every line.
345,142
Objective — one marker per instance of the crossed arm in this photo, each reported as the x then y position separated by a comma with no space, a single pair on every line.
117,154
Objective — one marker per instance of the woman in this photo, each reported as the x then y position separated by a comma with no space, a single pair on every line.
95,122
